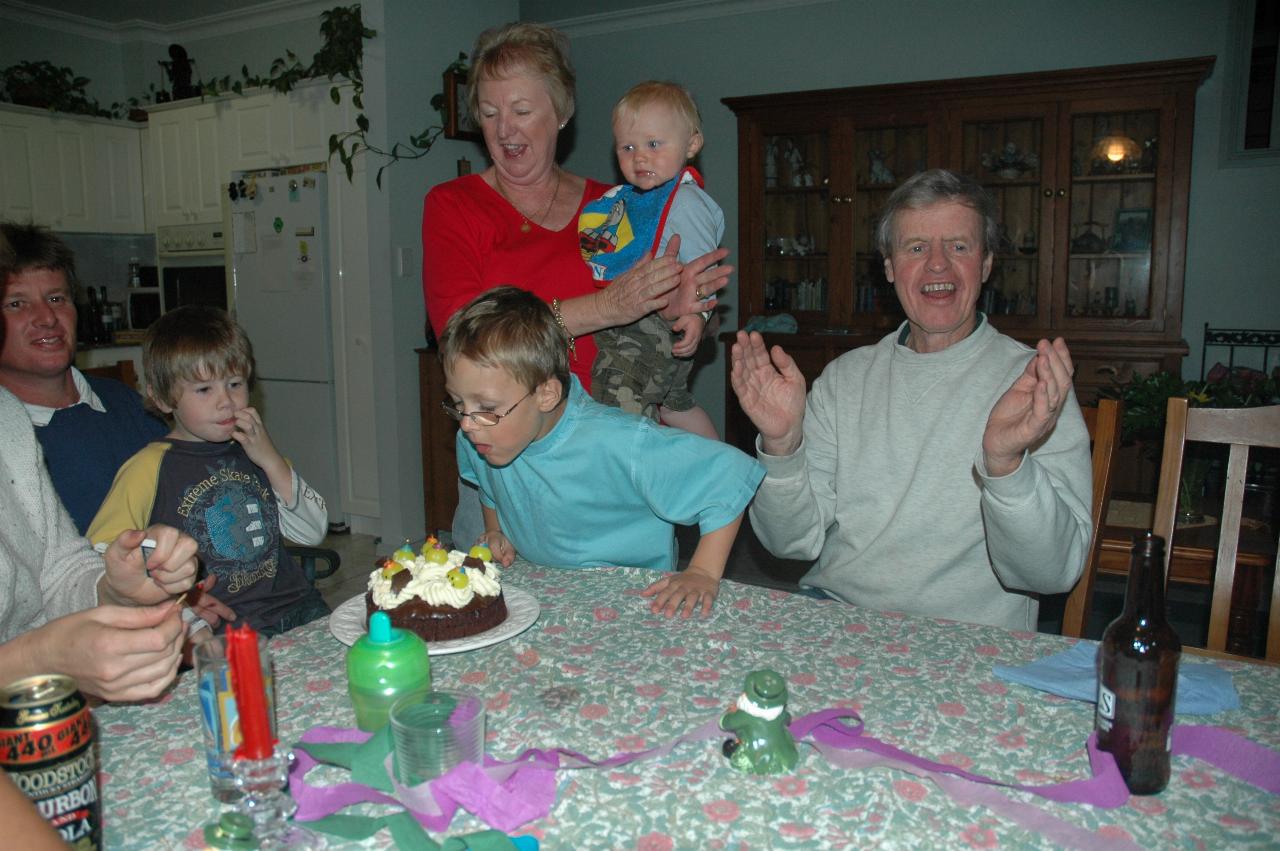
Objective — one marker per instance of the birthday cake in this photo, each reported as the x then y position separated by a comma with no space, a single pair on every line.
437,594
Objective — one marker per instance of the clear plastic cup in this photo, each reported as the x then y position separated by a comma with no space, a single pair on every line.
218,711
434,732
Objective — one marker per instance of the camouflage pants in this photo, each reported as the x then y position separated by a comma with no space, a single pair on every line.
636,372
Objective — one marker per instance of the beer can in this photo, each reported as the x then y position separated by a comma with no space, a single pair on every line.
46,748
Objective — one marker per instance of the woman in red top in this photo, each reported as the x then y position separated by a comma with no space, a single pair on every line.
516,222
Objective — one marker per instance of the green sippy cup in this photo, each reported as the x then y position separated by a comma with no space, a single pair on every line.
382,667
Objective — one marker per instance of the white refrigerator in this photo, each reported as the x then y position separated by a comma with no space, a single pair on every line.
280,291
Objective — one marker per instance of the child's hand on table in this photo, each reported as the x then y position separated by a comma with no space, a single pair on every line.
689,589
503,551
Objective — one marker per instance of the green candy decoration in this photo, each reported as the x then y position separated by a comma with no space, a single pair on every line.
405,553
762,744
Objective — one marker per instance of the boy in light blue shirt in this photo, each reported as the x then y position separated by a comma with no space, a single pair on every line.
568,482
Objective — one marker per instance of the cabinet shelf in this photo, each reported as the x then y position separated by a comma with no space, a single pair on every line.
774,258
1132,177
794,190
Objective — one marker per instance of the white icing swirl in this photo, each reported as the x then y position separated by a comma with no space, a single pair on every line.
430,582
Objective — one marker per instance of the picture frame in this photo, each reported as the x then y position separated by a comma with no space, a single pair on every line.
457,117
1132,230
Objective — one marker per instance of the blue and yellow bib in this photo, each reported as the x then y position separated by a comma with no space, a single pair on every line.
617,228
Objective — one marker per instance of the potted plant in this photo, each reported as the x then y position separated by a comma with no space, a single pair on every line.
47,86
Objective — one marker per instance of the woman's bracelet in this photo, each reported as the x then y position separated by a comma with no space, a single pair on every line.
555,311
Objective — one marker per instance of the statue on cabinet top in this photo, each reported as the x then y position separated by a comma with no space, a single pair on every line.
179,68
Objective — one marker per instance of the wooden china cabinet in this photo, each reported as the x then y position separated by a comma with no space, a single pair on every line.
1090,168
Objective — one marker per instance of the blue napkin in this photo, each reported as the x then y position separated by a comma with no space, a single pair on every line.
1203,689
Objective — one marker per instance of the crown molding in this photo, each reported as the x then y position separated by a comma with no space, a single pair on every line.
666,14
254,17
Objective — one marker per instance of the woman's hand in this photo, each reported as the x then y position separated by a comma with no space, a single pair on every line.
771,391
700,281
134,579
639,291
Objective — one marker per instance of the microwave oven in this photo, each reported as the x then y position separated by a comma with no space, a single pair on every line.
143,306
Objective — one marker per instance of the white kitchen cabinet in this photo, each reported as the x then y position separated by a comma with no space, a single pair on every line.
187,174
70,173
67,173
118,179
268,129
19,146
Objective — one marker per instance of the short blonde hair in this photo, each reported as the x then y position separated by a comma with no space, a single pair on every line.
508,328
524,48
193,343
673,96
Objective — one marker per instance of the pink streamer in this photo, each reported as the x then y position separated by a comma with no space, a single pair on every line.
506,795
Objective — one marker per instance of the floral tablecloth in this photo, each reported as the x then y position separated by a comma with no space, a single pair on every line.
598,674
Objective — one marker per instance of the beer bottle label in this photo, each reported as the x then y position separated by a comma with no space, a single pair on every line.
1106,707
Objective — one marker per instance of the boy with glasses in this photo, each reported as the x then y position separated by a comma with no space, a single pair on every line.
568,482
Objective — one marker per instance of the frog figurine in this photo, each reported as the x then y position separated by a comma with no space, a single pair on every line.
762,743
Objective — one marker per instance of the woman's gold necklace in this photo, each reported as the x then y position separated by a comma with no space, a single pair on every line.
525,226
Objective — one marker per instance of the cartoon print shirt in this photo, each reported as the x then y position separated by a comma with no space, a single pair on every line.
616,229
214,493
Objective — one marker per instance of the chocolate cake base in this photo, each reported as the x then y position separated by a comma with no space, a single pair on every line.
432,623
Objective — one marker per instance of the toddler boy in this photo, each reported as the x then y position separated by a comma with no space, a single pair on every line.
644,367
217,475
568,482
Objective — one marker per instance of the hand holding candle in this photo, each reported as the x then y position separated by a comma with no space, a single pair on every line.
251,697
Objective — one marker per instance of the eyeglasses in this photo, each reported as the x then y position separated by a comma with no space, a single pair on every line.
482,418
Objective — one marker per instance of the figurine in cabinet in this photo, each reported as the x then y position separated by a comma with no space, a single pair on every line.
880,172
795,163
771,163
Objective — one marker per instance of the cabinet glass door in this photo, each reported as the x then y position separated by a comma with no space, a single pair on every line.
797,234
1008,156
1113,203
883,157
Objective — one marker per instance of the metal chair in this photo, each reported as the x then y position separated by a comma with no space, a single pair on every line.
1104,431
1239,428
309,557
1238,338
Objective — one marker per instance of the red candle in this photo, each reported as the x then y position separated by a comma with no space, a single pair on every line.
251,698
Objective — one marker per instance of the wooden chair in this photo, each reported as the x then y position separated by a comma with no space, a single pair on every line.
1104,431
1238,428
121,371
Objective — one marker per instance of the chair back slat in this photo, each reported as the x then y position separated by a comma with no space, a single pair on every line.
1224,572
1103,423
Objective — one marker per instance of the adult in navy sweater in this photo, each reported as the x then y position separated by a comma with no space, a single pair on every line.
87,427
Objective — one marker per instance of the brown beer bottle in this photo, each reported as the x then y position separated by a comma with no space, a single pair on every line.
1138,675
